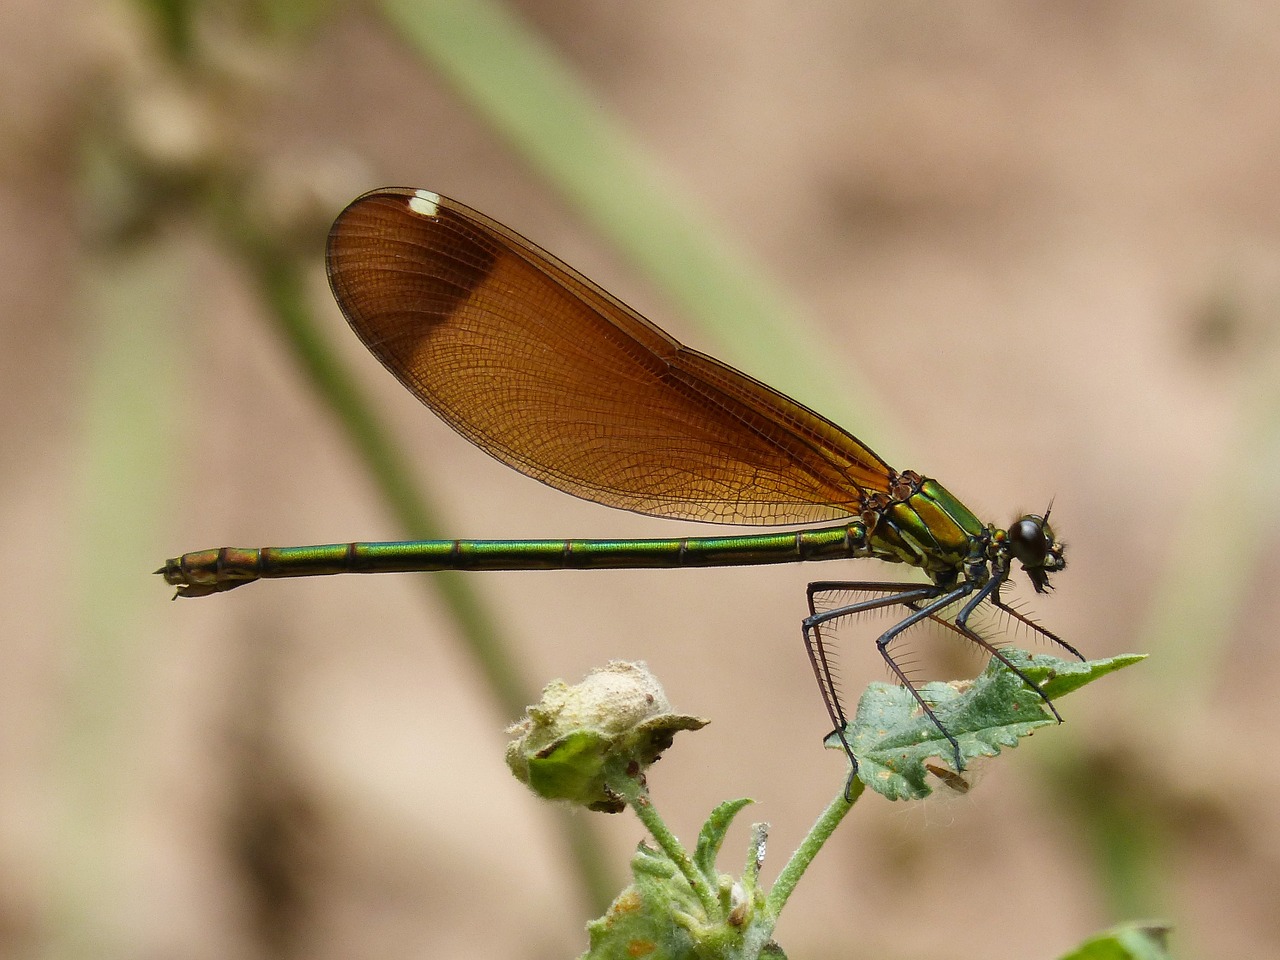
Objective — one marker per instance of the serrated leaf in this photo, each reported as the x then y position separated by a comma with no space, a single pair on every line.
893,738
1138,941
711,837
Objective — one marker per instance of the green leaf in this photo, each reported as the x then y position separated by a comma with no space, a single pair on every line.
1057,677
1136,941
660,917
631,928
893,738
711,837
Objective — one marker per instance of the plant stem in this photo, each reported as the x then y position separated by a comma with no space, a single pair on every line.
812,843
637,796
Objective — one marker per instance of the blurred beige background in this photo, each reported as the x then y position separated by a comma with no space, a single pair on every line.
1047,236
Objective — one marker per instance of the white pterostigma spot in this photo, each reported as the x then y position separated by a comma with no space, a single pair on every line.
425,202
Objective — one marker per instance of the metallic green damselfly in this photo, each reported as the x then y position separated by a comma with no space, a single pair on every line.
544,370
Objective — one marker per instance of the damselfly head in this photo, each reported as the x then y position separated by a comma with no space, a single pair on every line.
1031,541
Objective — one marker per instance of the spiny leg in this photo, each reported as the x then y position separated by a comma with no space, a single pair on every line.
926,612
960,626
1033,626
991,590
896,593
906,594
819,656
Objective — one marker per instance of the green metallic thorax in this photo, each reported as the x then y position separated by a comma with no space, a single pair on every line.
930,529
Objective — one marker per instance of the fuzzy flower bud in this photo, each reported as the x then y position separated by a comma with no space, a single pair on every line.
614,723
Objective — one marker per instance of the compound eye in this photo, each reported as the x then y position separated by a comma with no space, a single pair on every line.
1029,541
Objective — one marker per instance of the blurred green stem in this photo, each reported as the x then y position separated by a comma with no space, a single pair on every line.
126,349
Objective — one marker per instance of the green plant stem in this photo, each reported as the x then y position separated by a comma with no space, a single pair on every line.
126,357
812,843
637,797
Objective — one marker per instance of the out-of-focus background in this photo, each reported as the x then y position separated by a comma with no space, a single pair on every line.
1031,250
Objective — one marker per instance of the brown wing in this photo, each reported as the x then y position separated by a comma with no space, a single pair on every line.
543,369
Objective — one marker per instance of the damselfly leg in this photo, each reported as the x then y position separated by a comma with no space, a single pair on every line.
923,602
